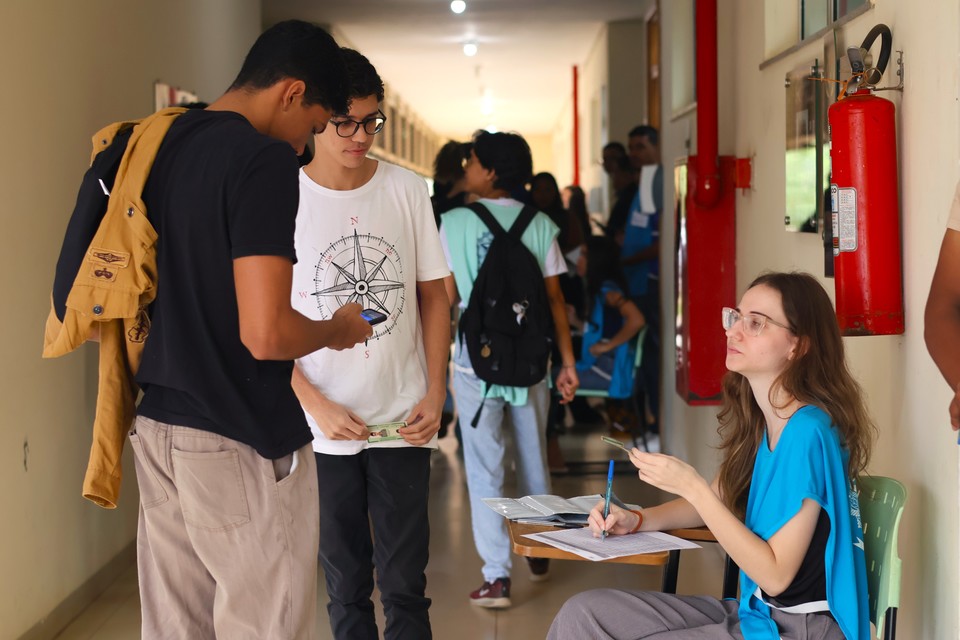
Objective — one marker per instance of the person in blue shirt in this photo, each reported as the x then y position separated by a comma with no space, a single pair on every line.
613,321
640,256
795,433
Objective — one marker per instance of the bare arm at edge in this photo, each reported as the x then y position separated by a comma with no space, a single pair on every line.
942,319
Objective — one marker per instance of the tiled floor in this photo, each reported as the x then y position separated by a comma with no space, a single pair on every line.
454,568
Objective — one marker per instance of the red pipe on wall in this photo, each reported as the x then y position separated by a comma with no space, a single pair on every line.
576,127
707,189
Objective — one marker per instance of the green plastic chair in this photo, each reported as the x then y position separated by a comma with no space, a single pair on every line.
881,505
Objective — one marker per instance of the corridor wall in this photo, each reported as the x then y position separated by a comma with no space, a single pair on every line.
70,68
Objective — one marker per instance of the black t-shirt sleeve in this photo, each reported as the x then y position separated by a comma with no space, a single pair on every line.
262,212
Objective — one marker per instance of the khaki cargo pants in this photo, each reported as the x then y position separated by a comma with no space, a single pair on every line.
227,540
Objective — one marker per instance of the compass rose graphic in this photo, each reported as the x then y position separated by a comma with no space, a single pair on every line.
365,269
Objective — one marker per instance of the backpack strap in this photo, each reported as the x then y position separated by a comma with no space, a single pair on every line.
527,214
487,218
523,220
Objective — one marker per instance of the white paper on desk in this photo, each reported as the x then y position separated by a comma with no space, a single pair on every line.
582,543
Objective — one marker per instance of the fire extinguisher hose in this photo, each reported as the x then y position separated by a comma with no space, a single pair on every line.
886,45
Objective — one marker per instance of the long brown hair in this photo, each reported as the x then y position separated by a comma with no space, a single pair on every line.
818,375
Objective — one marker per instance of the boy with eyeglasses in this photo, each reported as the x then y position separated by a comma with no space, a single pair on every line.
365,233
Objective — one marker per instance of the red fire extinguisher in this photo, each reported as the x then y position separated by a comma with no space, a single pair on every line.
864,201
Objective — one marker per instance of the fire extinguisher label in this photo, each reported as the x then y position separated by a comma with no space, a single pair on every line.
844,219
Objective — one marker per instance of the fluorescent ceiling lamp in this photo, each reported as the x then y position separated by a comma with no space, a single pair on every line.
470,49
458,6
486,104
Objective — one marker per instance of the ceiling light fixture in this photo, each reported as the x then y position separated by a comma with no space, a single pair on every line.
486,103
458,6
470,49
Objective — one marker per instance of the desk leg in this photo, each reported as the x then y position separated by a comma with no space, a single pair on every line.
731,578
890,624
670,572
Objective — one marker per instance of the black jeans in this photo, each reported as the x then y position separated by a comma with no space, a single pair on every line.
391,485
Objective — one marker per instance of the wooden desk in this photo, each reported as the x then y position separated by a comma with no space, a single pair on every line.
670,560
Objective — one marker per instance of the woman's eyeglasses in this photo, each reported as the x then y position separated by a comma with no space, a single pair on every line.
753,323
372,125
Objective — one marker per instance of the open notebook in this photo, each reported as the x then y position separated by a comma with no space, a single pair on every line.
549,509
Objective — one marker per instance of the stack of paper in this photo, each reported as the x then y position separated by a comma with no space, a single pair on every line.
584,544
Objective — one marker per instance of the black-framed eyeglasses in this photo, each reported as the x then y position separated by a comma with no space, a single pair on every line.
372,125
753,323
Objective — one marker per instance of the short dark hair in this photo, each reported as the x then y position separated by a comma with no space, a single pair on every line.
618,146
508,154
302,51
362,77
649,132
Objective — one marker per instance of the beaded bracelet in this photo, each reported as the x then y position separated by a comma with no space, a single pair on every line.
639,521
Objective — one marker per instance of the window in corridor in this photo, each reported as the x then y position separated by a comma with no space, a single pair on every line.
788,24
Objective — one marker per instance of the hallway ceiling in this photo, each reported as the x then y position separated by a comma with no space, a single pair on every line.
527,49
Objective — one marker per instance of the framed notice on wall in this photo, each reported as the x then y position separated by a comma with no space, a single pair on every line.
166,95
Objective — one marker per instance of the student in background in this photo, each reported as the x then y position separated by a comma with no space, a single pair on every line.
640,256
624,179
448,183
500,163
575,201
365,233
449,193
795,433
606,361
545,195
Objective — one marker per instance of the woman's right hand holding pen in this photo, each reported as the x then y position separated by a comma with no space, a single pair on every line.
619,522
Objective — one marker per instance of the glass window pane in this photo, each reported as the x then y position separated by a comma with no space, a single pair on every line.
813,17
843,7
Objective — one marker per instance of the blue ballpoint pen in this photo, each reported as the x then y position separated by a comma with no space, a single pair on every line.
606,499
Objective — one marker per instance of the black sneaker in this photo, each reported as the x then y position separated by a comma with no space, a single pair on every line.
539,569
492,595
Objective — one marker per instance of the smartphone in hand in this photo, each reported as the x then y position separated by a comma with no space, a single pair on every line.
373,316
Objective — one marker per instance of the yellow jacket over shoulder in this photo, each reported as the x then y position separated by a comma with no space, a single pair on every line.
111,291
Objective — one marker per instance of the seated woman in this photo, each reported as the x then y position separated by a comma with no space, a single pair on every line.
609,345
795,434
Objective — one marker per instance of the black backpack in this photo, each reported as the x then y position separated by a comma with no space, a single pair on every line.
507,325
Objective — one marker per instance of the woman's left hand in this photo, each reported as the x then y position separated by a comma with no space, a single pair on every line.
667,473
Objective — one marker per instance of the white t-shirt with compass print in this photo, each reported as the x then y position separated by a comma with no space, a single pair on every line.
369,245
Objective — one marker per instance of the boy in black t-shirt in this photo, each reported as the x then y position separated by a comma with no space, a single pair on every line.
228,520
